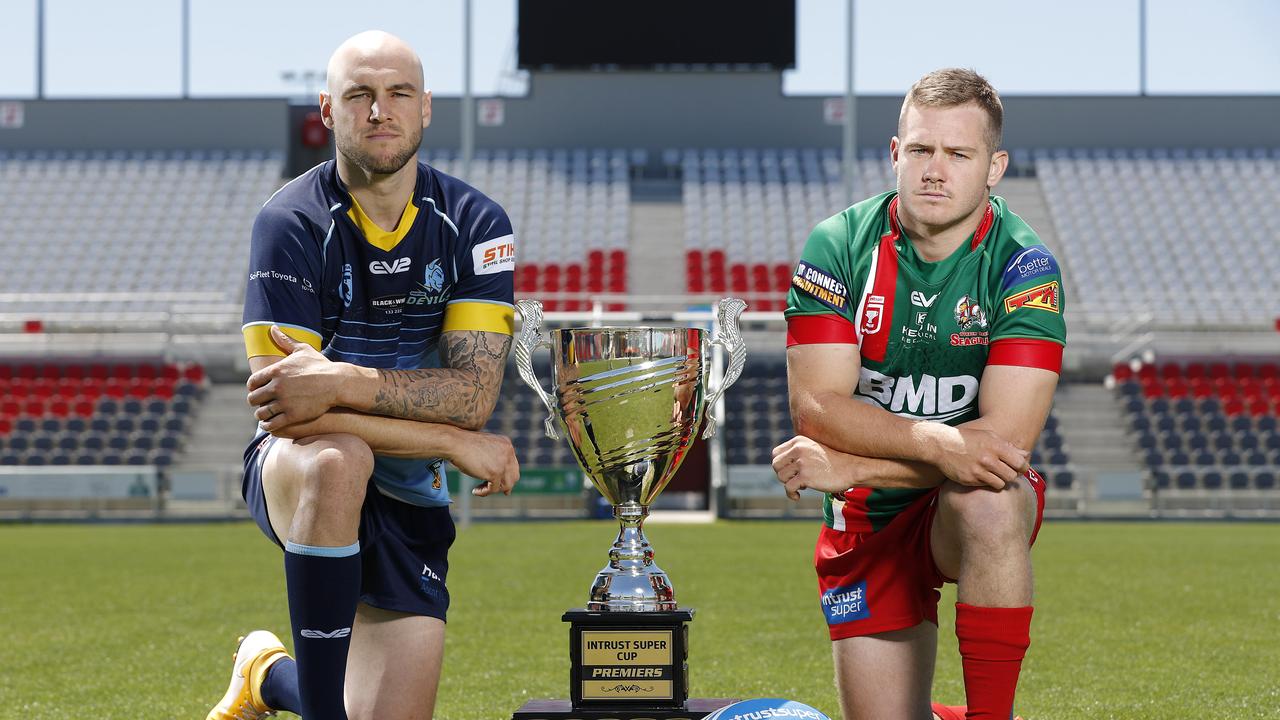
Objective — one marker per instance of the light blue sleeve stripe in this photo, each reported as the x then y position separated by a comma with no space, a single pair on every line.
347,551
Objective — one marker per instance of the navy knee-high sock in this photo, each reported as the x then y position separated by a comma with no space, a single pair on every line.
324,587
280,687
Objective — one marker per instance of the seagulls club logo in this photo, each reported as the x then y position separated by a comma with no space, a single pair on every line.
969,314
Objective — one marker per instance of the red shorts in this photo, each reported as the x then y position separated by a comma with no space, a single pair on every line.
877,582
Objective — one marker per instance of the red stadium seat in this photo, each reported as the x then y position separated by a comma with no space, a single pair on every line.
33,408
1242,370
1121,372
6,426
1269,371
43,387
27,372
1233,407
1259,407
6,371
10,408
1170,370
781,277
170,371
193,373
595,280
84,408
595,259
59,408
99,371
1219,370
1196,370
1147,372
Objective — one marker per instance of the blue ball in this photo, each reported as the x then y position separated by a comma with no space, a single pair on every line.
767,709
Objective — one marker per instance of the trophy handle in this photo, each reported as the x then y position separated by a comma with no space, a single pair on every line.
729,337
531,339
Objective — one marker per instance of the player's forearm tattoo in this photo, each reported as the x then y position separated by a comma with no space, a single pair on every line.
461,393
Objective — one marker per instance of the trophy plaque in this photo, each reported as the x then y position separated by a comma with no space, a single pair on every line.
629,400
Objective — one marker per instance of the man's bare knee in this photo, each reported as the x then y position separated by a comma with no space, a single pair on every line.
334,475
986,516
341,465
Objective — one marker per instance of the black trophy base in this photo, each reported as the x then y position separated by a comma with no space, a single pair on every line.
627,659
695,709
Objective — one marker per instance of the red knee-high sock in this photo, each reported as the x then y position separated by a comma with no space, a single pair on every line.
949,712
993,642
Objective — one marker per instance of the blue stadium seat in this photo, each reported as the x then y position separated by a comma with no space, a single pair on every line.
1212,480
1215,423
1264,480
1238,481
1256,458
1231,458
1166,424
1185,481
1205,459
10,458
1161,480
1063,480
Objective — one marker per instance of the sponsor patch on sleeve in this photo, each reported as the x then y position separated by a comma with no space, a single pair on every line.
845,603
494,256
819,285
1041,297
1029,264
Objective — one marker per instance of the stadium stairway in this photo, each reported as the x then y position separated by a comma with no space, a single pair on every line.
1092,424
656,255
219,433
1026,198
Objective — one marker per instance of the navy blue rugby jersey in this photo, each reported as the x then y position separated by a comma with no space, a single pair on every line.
328,276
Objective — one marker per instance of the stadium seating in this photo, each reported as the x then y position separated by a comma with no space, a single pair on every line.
1205,428
96,413
571,213
150,228
1186,236
748,213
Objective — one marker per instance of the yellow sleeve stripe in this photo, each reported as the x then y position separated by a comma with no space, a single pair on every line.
482,316
257,338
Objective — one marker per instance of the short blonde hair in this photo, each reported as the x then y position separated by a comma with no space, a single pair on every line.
950,87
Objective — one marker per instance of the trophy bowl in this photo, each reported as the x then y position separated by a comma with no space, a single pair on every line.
629,400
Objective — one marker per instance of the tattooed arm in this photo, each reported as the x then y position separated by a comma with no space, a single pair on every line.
462,393
305,384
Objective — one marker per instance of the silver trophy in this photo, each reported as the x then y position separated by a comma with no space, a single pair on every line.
629,400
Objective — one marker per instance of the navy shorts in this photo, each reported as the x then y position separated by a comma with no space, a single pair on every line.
404,549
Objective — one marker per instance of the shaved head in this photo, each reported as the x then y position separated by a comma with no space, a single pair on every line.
375,102
371,48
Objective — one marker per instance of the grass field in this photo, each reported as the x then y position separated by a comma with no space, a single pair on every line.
1132,620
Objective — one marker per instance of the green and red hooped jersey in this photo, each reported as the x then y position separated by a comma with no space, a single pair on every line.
925,331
